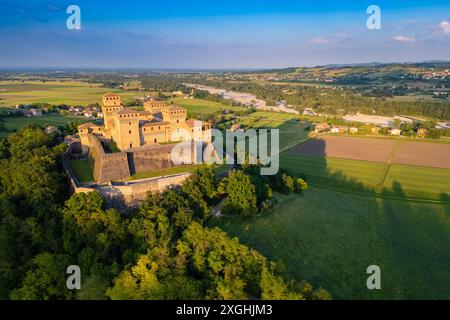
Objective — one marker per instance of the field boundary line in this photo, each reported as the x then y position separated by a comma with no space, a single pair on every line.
377,194
387,168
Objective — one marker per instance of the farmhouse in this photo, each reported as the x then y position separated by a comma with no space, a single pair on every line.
36,112
157,123
235,127
422,132
322,127
353,130
339,129
395,132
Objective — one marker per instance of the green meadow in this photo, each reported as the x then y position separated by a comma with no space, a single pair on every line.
202,106
355,214
15,123
55,92
371,178
329,238
292,131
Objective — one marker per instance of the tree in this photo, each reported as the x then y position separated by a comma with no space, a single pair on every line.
201,189
46,280
274,287
241,194
287,184
300,185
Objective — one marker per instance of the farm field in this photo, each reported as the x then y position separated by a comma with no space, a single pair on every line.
371,178
55,92
419,168
329,239
202,106
15,123
376,150
292,132
423,154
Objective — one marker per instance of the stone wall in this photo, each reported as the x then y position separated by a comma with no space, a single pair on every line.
107,166
133,192
152,157
117,166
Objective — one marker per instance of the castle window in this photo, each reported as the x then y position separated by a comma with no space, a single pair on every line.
159,128
178,121
129,131
129,123
131,145
155,140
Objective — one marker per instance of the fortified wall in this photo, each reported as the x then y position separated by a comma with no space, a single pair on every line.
116,166
106,166
131,193
153,157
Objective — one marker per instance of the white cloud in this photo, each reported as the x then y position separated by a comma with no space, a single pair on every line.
445,27
403,39
320,40
336,38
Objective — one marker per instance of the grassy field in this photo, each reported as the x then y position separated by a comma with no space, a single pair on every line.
15,123
180,169
330,238
202,106
371,178
82,170
162,172
292,132
55,92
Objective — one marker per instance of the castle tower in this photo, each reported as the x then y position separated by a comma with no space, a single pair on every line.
110,104
126,129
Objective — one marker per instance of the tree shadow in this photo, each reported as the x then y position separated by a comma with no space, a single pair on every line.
408,239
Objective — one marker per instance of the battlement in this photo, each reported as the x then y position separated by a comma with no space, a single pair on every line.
111,99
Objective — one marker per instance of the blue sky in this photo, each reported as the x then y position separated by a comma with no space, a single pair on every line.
220,33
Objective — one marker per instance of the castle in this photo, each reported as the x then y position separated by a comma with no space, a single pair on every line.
145,138
157,123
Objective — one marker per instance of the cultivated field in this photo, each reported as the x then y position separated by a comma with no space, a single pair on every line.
376,150
203,106
423,154
15,123
55,92
381,167
292,132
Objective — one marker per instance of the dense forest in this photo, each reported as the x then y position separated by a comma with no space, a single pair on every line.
160,250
